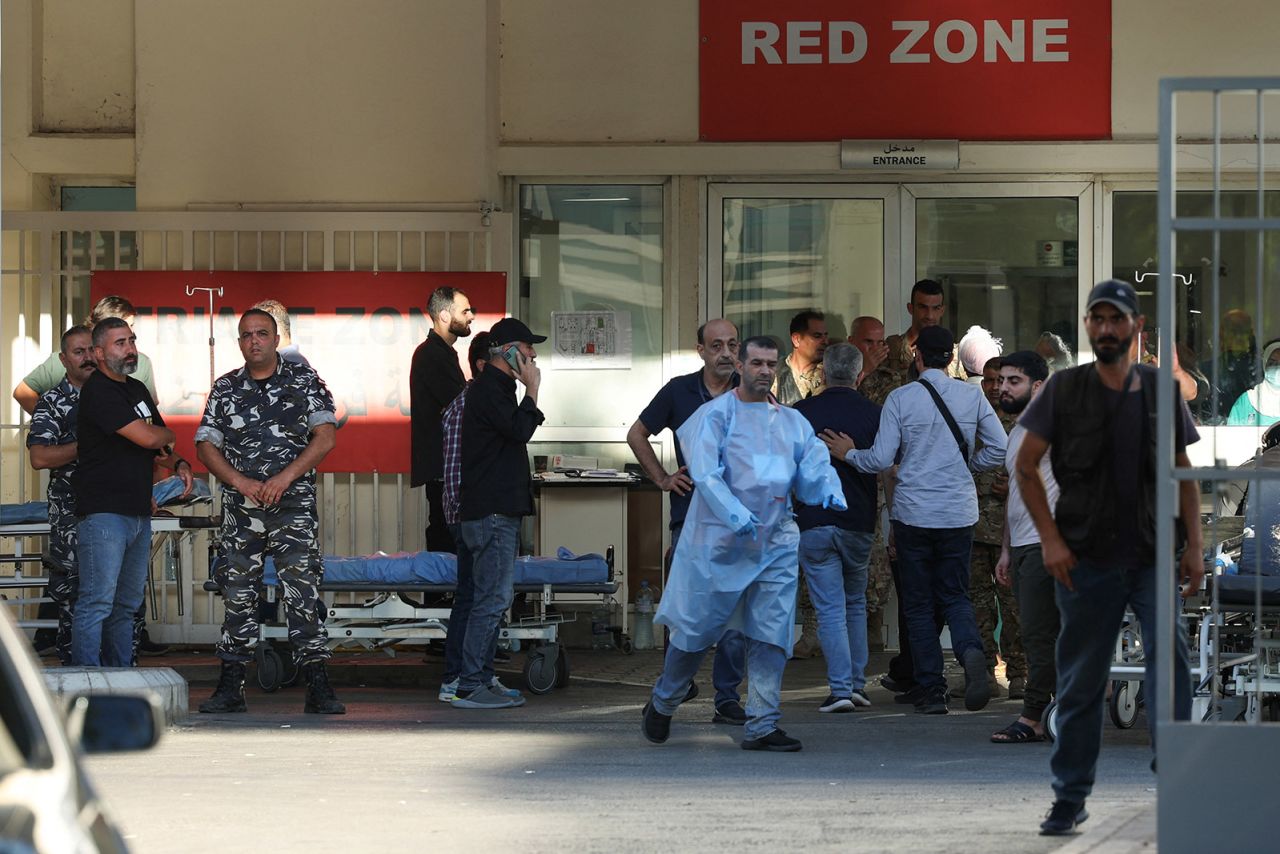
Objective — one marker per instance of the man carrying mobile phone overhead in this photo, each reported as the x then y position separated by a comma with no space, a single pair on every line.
496,493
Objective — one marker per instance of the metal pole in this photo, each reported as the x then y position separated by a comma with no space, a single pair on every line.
191,291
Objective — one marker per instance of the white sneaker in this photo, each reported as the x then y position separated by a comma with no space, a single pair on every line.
447,690
836,704
860,698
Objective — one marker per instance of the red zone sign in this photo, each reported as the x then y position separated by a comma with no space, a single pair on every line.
358,330
820,70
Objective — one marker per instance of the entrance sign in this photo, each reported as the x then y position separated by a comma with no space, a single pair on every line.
900,155
357,329
969,69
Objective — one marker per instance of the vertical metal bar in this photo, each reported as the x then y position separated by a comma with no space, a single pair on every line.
376,506
448,251
116,249
306,241
471,250
422,250
399,251
1166,506
351,508
400,512
1258,629
351,243
257,236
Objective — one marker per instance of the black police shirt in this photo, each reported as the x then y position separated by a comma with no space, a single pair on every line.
114,474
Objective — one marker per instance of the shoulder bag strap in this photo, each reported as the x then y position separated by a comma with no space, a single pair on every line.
946,415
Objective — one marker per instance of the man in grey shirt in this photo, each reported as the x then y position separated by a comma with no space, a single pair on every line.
935,507
1021,564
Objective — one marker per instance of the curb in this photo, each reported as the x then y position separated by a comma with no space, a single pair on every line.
163,682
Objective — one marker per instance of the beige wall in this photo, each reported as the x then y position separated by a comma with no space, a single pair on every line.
311,101
85,57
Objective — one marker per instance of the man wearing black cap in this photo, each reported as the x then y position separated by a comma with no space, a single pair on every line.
496,491
929,427
1097,422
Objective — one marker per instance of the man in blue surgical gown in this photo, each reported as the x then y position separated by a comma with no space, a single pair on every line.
736,564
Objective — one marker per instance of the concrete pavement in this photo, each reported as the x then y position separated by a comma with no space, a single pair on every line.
570,770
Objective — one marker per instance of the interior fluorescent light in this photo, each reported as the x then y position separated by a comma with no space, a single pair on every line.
999,287
600,199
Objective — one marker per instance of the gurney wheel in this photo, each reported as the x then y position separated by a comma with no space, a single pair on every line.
540,672
1123,704
1051,720
269,669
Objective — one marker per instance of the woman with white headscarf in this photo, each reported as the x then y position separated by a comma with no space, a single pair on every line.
975,349
1260,405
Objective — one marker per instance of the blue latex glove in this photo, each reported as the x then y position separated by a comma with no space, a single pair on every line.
749,527
834,502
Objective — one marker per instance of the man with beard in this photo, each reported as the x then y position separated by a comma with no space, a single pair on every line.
265,428
120,435
669,409
435,379
1097,423
737,565
1021,563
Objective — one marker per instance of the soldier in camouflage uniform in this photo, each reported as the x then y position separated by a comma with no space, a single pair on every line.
265,428
52,445
994,604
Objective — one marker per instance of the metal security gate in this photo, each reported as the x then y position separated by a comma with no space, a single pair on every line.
48,258
1216,771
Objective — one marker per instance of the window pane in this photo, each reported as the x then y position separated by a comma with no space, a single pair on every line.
1008,265
594,248
1237,366
782,256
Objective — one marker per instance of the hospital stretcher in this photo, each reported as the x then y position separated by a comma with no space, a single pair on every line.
35,524
390,615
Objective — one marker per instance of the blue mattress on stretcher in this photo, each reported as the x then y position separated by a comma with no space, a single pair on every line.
385,571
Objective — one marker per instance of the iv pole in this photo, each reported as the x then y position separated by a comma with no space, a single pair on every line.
191,291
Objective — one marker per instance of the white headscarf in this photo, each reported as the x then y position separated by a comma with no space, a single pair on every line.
976,348
1265,396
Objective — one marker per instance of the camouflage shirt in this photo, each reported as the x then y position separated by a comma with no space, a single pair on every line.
790,387
895,370
261,426
54,423
990,527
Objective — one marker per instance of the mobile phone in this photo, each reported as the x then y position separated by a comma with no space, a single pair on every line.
512,355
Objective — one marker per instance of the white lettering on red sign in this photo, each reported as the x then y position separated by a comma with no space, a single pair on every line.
953,41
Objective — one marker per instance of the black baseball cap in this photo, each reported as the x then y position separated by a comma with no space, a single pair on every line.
936,339
508,330
1115,291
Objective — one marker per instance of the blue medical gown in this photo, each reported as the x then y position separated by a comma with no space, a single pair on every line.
746,459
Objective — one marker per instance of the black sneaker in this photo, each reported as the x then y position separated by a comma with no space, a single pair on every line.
836,704
1063,818
691,693
776,741
146,646
729,712
934,704
897,686
655,725
977,692
910,698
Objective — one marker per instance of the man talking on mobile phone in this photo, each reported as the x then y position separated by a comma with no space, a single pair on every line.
496,493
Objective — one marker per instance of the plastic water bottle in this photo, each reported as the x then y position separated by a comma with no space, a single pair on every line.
644,617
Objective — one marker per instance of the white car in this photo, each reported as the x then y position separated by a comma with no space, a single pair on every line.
46,802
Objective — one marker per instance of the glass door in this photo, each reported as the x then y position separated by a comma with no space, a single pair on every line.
784,248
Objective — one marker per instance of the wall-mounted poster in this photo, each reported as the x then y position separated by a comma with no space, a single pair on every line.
586,340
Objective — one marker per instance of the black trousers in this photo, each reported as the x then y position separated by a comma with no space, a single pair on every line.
1038,612
439,537
901,670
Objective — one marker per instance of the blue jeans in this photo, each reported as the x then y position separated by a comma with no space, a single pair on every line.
933,565
114,553
835,565
731,654
460,614
764,688
492,543
1091,618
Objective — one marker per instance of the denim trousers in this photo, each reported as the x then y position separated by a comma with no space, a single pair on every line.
765,663
933,565
731,653
460,615
835,564
114,553
1091,618
492,542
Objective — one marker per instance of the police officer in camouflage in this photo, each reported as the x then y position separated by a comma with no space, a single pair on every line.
994,604
266,427
52,445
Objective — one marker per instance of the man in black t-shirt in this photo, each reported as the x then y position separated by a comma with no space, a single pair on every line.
1099,541
669,409
121,436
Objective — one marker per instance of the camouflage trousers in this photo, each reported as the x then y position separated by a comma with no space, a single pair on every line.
994,604
287,534
879,575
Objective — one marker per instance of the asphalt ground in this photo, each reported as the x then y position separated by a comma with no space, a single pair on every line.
570,770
